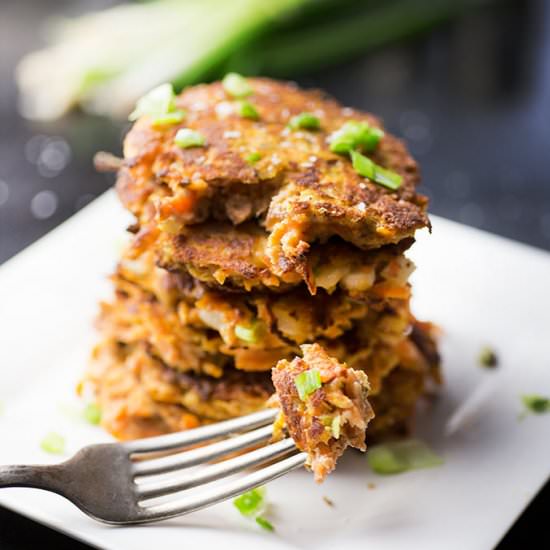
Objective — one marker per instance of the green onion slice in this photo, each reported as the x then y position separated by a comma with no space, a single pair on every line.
307,382
247,110
92,413
264,523
304,120
249,333
158,102
185,138
363,165
253,158
53,443
251,503
488,358
387,178
537,404
355,134
168,119
368,169
401,456
236,85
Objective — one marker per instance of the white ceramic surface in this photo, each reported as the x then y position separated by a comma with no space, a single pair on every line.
481,289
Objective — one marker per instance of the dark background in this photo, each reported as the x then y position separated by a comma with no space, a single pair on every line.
471,98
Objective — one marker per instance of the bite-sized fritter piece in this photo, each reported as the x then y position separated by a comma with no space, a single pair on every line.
299,189
324,406
139,396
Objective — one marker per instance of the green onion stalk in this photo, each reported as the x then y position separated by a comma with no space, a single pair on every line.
104,61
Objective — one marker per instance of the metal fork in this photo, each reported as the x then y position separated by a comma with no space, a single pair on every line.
119,483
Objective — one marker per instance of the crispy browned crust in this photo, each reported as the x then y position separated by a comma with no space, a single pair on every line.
299,189
219,254
236,259
341,399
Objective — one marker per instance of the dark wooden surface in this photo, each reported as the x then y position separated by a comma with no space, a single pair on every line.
471,98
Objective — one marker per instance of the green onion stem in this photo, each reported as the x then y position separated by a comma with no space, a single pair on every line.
331,42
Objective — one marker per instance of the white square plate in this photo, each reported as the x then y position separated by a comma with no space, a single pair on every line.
481,289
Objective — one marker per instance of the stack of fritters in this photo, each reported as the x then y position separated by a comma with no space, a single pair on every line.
247,245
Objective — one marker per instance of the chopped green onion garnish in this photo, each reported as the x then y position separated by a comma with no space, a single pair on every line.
236,85
307,121
335,427
488,358
249,333
387,178
253,158
168,119
251,503
363,165
264,524
247,110
53,443
307,382
368,169
185,138
401,456
158,102
355,134
537,404
92,413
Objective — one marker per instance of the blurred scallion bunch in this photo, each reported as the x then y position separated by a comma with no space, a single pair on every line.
104,61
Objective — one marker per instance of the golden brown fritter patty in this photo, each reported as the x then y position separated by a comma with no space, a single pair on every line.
220,254
134,316
202,338
299,190
251,332
235,259
327,420
139,396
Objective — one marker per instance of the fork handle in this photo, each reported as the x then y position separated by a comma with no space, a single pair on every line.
48,477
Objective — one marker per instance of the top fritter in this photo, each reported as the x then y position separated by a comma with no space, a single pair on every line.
296,161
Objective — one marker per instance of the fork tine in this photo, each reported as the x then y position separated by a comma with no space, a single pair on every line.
198,456
217,494
216,471
200,435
